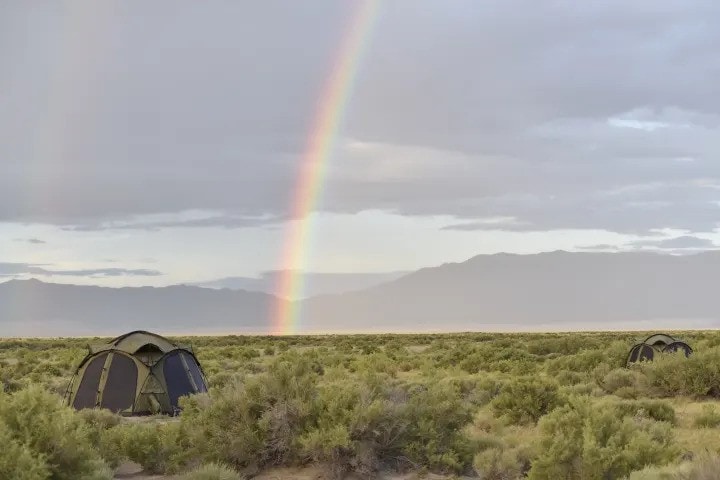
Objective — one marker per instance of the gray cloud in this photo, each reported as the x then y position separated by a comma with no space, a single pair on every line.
176,221
33,241
602,247
559,115
9,269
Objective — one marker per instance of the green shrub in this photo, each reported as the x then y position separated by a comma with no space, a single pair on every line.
19,462
708,418
580,389
659,410
213,471
363,428
286,416
499,463
436,417
565,345
587,441
587,360
706,467
156,446
499,455
673,374
668,472
255,423
102,423
367,403
478,390
623,382
112,445
38,425
566,377
99,419
350,426
525,400
375,362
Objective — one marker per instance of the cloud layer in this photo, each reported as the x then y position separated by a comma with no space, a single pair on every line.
10,269
543,115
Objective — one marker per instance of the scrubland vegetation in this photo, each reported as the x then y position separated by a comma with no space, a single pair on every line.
491,406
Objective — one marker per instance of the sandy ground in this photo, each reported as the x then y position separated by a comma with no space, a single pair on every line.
131,471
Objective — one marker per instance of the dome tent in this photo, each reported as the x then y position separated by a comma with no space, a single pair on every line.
654,345
138,373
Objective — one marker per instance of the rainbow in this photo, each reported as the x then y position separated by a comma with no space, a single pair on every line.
314,162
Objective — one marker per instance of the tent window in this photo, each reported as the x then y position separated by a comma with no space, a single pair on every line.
149,353
634,354
641,352
176,378
86,396
149,348
659,340
679,346
646,353
195,372
121,384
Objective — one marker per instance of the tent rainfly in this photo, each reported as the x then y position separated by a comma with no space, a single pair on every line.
656,344
139,373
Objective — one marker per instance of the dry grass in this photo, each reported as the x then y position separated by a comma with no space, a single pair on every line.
693,440
471,368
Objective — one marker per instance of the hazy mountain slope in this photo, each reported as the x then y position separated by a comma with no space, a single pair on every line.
559,289
314,284
36,308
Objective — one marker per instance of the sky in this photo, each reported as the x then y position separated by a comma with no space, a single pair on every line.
155,143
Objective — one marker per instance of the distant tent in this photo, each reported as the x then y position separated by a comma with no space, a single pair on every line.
678,347
136,374
654,345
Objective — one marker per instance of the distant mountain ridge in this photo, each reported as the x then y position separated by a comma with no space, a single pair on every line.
548,291
314,283
555,290
35,308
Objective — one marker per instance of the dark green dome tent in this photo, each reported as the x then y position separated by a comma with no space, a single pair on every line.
138,373
655,345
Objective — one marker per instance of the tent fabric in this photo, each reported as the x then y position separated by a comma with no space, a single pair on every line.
641,352
654,345
139,340
678,347
135,374
659,339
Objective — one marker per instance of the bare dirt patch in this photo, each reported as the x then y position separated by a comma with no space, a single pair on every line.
134,471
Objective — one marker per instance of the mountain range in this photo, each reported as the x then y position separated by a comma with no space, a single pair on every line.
34,308
314,284
506,292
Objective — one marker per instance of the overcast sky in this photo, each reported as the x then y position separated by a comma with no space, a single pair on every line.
150,143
